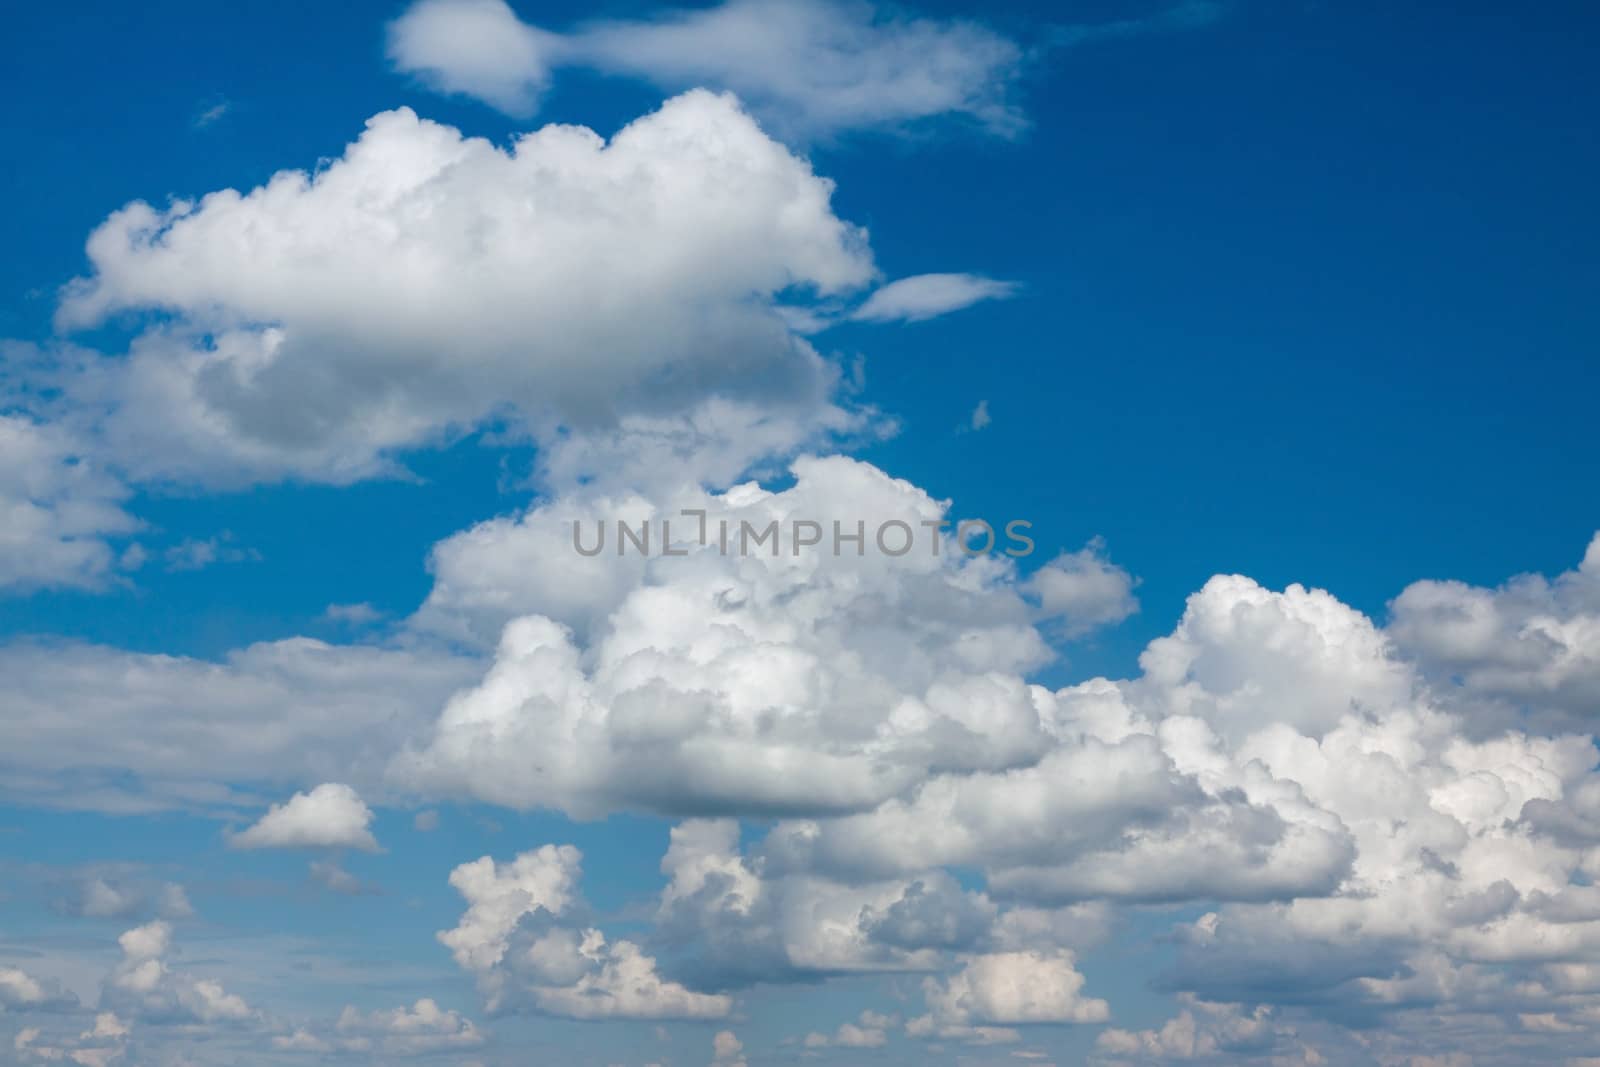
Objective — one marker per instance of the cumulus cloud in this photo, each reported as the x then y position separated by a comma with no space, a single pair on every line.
606,297
102,1044
519,938
1528,649
809,67
726,1049
1207,1032
498,896
737,681
21,991
330,816
1467,877
1279,754
144,985
1010,988
101,900
732,918
1083,590
927,296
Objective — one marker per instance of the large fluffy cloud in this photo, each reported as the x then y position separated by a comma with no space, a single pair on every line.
772,676
425,282
1359,839
1473,845
1367,846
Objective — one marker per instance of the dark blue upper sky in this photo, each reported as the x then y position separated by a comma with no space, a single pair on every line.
1308,293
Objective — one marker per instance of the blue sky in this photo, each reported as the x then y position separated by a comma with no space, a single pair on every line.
291,632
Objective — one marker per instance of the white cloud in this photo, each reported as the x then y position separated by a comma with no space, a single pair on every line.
330,816
764,918
606,297
556,967
870,1030
89,727
475,47
172,902
301,1040
121,892
1244,658
1530,647
362,614
620,982
1205,1031
809,67
21,991
499,896
726,1048
1468,866
58,510
422,1028
145,986
927,296
1008,988
212,113
980,418
99,1046
102,900
195,553
736,683
1080,591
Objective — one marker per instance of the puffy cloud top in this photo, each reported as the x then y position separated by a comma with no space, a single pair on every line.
329,816
425,282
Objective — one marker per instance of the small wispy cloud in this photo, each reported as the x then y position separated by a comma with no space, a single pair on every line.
925,296
212,113
333,877
193,554
1189,15
807,67
362,614
976,421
